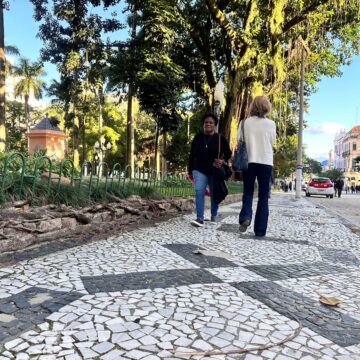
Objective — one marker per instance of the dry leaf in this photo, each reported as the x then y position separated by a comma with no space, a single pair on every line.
218,254
355,230
329,300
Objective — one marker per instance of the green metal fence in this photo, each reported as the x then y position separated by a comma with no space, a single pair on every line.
95,181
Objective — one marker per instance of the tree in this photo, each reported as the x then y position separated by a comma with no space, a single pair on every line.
30,83
332,174
3,4
260,43
72,36
314,166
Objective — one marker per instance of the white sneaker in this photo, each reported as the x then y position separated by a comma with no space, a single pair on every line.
197,223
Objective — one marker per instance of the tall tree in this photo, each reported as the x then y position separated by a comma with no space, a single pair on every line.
3,5
30,83
260,42
72,34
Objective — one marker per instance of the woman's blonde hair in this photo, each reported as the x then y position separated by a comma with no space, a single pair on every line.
260,106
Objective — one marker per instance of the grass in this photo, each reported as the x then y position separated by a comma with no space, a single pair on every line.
79,196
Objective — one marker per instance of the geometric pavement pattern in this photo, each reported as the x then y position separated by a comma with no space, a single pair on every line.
144,294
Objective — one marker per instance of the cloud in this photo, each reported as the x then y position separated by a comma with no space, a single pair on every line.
326,128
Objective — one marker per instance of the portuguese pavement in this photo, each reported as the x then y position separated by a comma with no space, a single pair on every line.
146,295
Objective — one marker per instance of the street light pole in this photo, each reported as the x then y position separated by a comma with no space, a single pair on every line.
299,165
218,100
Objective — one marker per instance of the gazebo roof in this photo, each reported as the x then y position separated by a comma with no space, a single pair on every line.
45,124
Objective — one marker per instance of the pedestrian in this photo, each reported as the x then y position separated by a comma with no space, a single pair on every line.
352,189
260,136
339,186
290,185
203,159
335,187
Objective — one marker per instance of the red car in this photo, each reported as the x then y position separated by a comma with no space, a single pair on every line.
320,186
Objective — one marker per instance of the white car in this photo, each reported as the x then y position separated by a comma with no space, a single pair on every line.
320,186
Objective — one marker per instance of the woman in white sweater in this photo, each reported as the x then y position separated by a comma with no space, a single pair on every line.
260,136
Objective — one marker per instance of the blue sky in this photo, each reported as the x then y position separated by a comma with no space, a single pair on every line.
336,105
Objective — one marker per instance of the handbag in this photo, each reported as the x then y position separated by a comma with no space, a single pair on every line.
240,161
227,172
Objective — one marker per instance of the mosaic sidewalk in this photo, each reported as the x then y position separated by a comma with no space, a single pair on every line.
146,295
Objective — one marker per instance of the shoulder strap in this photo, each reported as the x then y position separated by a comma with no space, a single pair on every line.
243,130
219,146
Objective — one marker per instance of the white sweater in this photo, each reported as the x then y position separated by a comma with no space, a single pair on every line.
260,136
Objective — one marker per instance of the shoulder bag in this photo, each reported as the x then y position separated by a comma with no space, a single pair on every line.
240,161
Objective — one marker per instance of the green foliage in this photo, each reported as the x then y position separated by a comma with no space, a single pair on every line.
30,79
177,152
285,157
332,174
313,166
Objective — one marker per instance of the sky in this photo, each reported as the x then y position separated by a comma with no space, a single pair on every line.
335,106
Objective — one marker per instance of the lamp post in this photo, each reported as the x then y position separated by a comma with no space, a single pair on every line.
101,146
300,133
218,100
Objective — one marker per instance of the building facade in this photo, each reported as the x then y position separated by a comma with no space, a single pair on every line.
338,150
351,149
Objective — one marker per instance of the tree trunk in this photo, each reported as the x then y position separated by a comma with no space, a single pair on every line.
225,126
2,81
27,118
27,113
100,95
76,141
130,131
130,117
164,145
156,158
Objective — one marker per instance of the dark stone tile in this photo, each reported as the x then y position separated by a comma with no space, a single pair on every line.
29,315
327,322
186,251
345,257
234,228
148,280
40,250
7,308
282,272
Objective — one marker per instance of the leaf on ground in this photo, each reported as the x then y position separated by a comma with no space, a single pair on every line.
218,254
329,300
355,230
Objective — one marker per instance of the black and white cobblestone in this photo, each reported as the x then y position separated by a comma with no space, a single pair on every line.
144,295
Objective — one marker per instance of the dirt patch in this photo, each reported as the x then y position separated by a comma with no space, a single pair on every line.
21,229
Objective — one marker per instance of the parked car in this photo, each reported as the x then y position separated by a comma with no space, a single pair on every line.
320,186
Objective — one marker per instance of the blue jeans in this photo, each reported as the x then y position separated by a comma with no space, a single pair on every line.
201,181
263,174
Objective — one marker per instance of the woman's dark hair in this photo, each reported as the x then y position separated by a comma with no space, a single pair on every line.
211,115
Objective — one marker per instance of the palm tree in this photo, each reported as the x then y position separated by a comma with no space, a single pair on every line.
29,83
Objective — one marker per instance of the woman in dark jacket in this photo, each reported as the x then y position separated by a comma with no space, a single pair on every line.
204,157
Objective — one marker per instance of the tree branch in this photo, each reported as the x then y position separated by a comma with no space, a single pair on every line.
303,15
230,33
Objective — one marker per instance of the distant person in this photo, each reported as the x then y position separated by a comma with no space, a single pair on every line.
290,185
203,159
339,186
352,189
335,187
260,136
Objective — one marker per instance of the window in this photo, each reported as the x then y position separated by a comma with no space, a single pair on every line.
354,146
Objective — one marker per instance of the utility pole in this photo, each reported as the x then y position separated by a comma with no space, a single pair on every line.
299,165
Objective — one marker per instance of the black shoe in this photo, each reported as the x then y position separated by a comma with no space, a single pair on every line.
260,235
197,223
244,225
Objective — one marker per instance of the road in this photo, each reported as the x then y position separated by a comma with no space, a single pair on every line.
348,206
